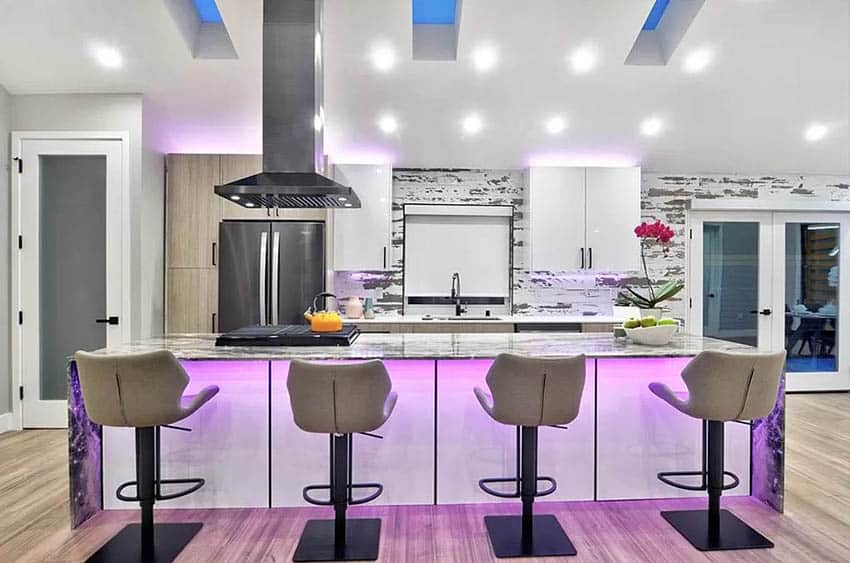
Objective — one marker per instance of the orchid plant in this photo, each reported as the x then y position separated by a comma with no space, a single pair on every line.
651,234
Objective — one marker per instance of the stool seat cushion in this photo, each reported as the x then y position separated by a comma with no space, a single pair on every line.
137,390
335,398
726,386
533,391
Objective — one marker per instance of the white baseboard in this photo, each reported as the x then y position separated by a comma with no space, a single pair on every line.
6,423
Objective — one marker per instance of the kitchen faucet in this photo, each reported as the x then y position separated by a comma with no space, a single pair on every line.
456,294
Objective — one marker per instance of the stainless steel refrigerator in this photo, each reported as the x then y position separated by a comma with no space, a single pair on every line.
268,272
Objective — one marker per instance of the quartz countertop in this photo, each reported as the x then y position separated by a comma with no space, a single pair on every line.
431,346
497,319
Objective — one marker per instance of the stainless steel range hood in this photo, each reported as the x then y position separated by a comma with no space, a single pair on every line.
292,115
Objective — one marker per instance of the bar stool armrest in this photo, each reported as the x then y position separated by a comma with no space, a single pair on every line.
200,400
669,396
485,399
389,404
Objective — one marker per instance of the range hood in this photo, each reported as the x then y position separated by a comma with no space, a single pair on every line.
292,116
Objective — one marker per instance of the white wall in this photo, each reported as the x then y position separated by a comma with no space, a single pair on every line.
5,298
116,112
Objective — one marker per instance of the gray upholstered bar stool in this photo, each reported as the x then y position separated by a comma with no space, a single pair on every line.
722,387
529,393
145,392
340,400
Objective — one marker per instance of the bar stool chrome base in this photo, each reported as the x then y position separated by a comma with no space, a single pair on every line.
126,546
548,537
733,533
362,539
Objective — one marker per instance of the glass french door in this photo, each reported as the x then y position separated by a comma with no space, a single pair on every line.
774,280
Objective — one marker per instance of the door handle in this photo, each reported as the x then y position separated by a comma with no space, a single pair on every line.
275,274
213,253
713,295
264,255
764,312
108,321
385,257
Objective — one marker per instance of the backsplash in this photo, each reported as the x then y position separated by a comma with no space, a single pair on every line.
663,196
534,292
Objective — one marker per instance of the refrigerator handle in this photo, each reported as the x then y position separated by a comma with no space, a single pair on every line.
275,291
264,256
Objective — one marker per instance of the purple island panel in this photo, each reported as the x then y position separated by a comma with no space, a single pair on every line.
768,455
84,455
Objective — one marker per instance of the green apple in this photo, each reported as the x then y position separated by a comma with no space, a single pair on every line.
631,323
667,322
647,322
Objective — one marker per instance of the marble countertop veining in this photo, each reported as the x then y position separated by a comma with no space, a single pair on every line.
431,346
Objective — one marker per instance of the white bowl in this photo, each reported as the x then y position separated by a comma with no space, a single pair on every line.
653,335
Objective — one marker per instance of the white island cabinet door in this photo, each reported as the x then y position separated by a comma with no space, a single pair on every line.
613,211
362,236
557,221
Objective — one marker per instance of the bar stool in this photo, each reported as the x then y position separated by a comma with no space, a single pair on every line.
340,400
145,392
529,393
722,387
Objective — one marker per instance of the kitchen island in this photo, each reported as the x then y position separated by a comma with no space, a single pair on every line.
439,441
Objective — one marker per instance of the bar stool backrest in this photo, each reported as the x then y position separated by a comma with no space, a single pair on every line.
134,390
536,391
339,398
726,386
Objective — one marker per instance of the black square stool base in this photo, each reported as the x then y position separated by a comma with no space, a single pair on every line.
734,533
362,539
506,537
126,546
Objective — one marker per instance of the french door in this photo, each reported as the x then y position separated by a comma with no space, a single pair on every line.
776,280
69,264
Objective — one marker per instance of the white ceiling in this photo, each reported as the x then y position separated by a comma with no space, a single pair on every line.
779,66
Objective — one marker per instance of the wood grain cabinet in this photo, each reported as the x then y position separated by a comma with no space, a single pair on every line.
192,297
193,211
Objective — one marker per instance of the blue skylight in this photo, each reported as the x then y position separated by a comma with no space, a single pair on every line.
434,11
208,11
655,15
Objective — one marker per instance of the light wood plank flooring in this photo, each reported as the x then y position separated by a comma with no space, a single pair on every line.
816,526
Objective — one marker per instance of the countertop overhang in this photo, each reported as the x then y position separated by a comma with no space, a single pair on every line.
432,346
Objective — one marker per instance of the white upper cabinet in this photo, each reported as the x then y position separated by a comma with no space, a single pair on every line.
612,213
556,206
584,218
362,237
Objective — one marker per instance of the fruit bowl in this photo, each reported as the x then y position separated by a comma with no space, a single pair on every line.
658,335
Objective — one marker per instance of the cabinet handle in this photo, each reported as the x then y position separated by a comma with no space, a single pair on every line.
213,254
213,323
385,257
582,258
590,258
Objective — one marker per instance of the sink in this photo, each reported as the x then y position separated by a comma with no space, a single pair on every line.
461,318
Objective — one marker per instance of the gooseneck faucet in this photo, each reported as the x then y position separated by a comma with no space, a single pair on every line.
456,294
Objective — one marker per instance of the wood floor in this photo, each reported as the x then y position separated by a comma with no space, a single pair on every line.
816,525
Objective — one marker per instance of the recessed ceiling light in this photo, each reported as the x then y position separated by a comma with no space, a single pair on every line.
388,124
235,198
815,132
107,57
484,58
555,124
383,58
472,124
698,61
583,59
651,126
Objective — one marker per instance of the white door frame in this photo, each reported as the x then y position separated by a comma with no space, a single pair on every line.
17,139
775,215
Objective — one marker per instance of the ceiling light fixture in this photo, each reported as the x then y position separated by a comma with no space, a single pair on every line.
697,61
651,126
583,59
383,58
484,58
815,132
107,57
555,125
472,124
388,124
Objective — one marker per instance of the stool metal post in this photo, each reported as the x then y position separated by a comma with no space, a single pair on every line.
715,477
145,470
529,485
339,491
